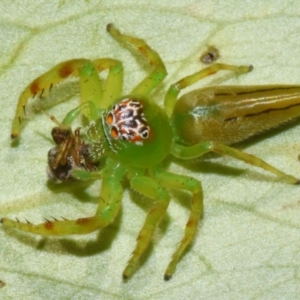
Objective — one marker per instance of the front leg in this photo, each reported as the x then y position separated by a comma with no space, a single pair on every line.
108,208
146,86
72,68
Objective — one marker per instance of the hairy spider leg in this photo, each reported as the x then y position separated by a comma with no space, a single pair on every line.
107,210
91,89
151,81
155,189
174,89
174,181
59,73
190,152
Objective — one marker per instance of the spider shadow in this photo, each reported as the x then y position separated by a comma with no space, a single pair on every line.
103,242
77,189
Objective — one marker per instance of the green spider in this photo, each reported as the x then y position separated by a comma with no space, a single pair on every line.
130,137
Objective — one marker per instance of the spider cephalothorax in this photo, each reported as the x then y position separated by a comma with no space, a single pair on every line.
127,121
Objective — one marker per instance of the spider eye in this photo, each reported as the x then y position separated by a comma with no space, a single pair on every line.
110,118
144,132
114,132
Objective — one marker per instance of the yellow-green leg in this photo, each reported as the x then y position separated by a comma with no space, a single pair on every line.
91,89
146,86
174,89
190,152
108,208
174,181
90,109
70,68
150,188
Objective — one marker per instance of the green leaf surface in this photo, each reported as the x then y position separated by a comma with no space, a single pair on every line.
247,244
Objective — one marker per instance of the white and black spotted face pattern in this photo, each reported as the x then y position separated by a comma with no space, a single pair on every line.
127,121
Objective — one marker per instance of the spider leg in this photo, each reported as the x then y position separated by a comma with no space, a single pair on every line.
150,188
190,152
174,181
113,85
66,69
91,88
151,81
84,175
174,89
107,210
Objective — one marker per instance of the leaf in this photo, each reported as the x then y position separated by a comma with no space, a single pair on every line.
248,241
